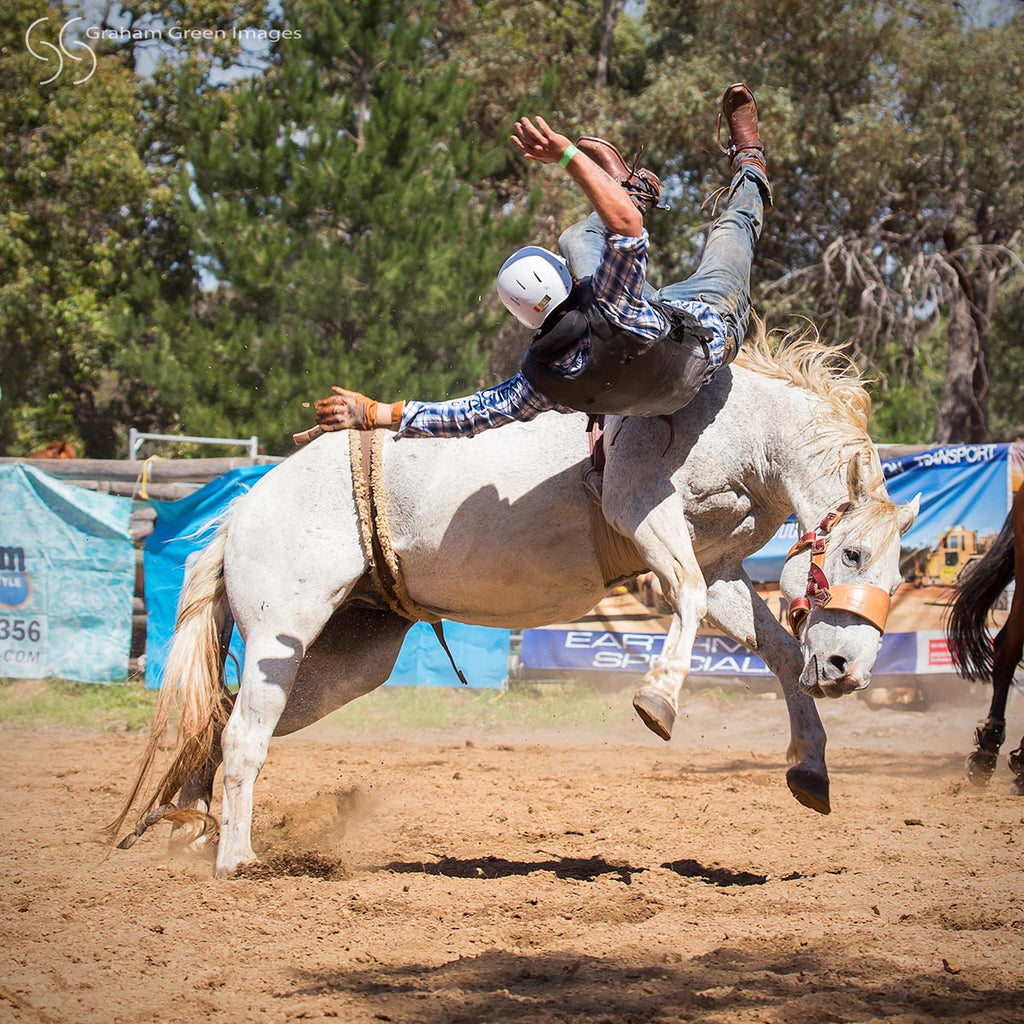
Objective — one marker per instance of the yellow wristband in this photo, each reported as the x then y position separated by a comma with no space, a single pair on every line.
570,152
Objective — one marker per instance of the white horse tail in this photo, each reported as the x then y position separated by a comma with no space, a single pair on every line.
193,682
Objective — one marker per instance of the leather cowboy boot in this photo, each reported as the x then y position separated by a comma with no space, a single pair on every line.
745,148
643,185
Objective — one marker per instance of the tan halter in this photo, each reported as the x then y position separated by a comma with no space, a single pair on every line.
868,602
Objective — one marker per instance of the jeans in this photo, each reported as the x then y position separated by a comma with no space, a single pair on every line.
722,278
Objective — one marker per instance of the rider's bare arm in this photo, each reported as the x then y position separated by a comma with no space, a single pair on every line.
611,202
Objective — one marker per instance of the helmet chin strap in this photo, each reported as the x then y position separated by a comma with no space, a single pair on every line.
866,601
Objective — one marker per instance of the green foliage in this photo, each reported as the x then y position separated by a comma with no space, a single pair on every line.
333,201
205,244
905,395
1007,368
894,144
74,200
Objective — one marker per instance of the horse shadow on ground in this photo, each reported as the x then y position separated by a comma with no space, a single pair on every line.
748,980
586,869
856,762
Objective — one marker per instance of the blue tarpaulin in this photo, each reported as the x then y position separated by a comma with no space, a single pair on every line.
185,527
67,573
481,653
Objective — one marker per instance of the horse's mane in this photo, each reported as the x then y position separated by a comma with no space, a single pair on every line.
801,359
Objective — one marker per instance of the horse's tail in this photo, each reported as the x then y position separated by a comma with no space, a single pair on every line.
194,681
976,591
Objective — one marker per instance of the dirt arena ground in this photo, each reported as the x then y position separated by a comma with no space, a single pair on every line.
571,875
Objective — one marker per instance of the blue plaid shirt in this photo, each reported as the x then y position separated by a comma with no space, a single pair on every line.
618,292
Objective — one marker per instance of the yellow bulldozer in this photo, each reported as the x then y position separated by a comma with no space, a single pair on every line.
958,547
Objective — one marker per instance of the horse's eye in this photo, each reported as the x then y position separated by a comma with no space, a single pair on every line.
851,557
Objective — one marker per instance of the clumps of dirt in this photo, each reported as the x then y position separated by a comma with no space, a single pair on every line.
295,865
320,822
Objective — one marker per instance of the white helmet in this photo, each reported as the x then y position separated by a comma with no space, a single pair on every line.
531,283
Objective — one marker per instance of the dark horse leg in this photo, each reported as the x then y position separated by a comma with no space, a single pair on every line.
991,731
975,656
1009,644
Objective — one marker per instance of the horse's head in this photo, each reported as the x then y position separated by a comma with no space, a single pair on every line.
838,580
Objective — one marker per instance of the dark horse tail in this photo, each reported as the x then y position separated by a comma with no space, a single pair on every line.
976,592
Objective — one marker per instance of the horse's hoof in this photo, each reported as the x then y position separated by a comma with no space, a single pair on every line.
237,868
656,713
1015,762
810,788
979,766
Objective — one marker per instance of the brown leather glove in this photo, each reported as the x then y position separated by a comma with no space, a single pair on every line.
349,410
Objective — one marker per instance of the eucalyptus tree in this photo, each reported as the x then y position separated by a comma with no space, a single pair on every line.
895,147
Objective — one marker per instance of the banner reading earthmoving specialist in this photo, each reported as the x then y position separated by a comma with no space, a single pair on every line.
67,572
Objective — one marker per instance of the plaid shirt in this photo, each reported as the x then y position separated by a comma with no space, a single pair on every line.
618,292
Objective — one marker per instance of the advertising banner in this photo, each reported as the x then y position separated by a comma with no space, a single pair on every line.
67,573
589,650
961,486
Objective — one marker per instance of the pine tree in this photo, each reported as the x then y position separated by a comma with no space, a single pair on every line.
341,224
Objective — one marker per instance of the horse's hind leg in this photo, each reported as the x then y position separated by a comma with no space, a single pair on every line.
736,607
1007,649
197,795
354,653
1008,657
272,655
281,604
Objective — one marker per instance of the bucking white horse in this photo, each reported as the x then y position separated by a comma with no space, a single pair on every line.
497,530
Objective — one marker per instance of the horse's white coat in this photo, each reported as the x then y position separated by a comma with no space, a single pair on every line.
494,530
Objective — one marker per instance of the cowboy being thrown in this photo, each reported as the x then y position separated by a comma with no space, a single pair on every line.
606,341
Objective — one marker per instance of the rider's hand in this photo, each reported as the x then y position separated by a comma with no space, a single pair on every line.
349,410
539,141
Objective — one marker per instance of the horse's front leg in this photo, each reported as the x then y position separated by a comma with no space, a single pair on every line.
736,608
663,540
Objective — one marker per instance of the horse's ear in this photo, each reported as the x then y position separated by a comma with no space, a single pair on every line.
863,478
906,514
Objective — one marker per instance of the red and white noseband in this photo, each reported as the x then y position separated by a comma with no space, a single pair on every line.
868,602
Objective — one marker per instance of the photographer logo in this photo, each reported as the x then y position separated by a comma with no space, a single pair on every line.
55,56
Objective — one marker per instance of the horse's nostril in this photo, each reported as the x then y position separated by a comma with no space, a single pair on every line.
838,662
